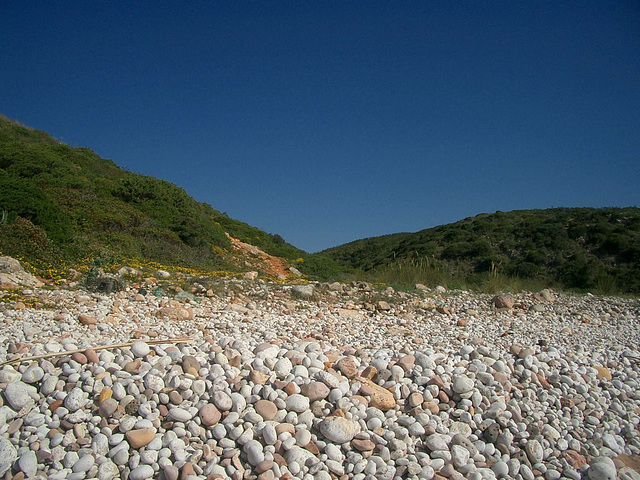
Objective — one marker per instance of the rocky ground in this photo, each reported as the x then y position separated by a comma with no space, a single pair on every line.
251,378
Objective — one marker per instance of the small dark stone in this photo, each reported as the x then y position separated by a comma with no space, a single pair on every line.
66,424
142,291
104,284
14,426
382,376
131,408
492,432
522,457
175,397
189,361
534,430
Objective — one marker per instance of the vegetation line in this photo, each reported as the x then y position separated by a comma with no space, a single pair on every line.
62,206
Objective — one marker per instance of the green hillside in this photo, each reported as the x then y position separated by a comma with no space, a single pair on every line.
63,204
580,248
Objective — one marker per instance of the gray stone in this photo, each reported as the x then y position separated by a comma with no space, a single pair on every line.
33,374
100,444
141,473
75,400
459,455
108,471
534,451
269,434
602,468
501,469
17,395
299,455
171,472
8,454
140,349
297,403
462,384
253,450
303,292
222,400
436,442
28,463
179,415
84,464
154,382
283,367
9,375
338,429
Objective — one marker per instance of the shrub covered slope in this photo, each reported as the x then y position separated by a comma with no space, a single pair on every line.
579,248
63,205
60,203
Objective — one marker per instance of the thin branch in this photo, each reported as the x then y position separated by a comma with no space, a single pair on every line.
100,347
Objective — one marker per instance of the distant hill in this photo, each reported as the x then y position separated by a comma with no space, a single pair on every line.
582,248
59,203
62,206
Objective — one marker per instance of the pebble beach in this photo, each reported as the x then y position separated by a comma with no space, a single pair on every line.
251,378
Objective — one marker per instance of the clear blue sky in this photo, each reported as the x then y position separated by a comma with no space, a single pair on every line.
327,122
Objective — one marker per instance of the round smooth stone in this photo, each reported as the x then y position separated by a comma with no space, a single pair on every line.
266,409
140,438
303,437
28,463
154,382
338,429
283,367
315,391
179,415
501,469
297,403
269,434
253,449
239,403
459,455
84,464
199,387
602,468
17,395
140,349
348,366
209,414
33,374
462,384
108,407
299,456
100,444
108,471
222,400
534,451
436,442
415,399
75,400
171,472
143,472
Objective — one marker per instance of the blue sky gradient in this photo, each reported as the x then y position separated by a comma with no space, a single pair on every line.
327,122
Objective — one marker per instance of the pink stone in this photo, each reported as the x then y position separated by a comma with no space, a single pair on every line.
266,409
315,391
209,415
